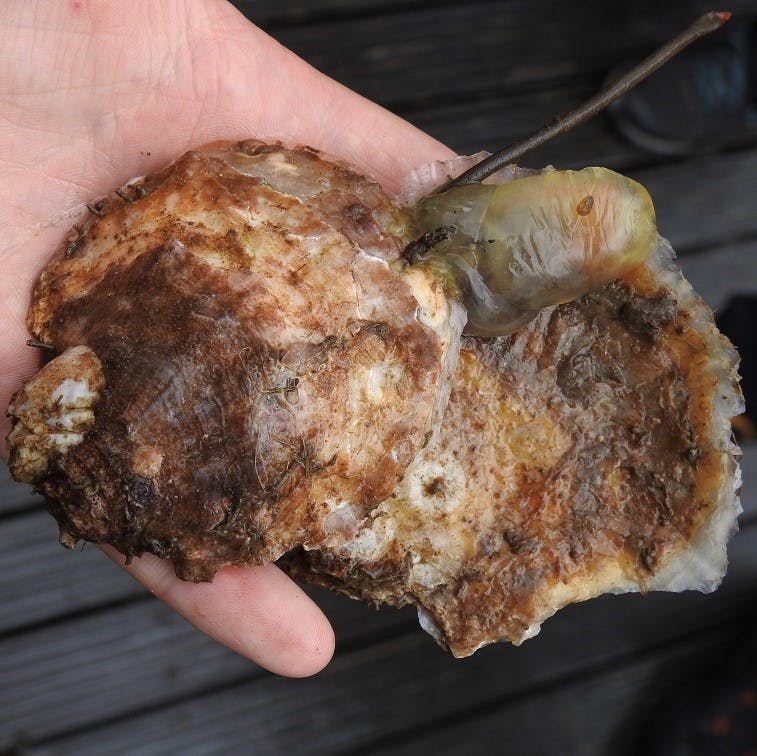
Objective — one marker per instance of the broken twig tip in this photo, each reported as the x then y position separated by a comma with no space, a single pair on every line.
704,25
40,345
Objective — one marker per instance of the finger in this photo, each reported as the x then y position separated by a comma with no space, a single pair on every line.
305,106
256,611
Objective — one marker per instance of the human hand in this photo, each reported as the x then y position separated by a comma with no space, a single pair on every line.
94,93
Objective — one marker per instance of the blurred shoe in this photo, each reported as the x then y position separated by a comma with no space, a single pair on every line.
702,101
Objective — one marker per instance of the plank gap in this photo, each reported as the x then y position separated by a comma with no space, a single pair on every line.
256,674
274,16
482,710
82,613
21,510
693,249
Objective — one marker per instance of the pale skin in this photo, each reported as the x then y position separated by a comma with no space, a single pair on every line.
94,92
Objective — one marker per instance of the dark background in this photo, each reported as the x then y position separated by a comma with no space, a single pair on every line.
89,663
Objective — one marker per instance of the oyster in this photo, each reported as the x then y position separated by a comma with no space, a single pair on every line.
590,452
248,371
260,359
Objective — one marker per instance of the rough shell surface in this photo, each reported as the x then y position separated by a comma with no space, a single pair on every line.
269,382
261,359
588,453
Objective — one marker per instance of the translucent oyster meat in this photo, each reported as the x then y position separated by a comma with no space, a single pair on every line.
269,382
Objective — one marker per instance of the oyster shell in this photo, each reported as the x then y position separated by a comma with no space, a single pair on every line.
265,380
260,359
588,453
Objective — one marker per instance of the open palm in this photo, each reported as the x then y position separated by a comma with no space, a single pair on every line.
93,93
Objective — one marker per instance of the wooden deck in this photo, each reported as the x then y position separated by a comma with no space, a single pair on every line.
92,664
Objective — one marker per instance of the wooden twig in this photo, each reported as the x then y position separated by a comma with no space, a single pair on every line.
701,27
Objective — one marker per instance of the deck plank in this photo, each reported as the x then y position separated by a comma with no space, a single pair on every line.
490,123
422,55
717,275
350,697
690,213
129,660
275,13
588,716
41,581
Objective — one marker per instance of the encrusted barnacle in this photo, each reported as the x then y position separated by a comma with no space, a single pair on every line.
53,411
